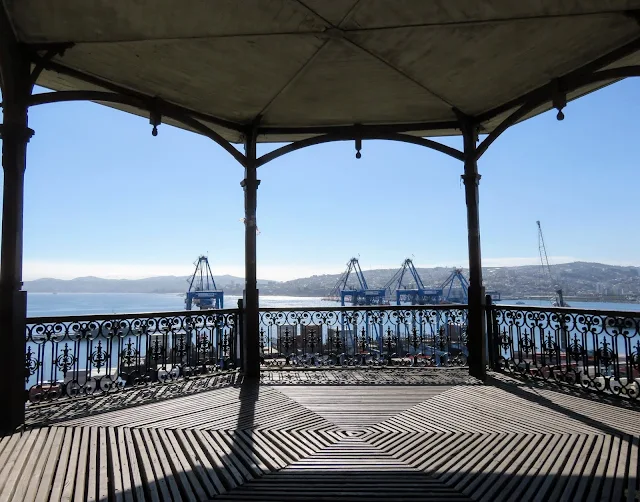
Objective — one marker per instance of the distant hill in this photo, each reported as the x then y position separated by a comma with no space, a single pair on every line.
576,279
164,284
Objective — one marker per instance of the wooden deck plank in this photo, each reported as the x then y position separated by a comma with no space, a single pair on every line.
553,466
633,490
115,467
228,470
92,475
584,484
50,456
495,464
34,468
600,471
147,457
566,494
198,469
103,469
125,470
163,468
70,484
208,468
18,459
155,453
80,489
511,465
63,467
619,475
306,443
134,467
189,487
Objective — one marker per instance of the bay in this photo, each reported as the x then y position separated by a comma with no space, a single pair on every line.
66,304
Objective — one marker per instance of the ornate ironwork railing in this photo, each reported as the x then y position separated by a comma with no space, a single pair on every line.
593,349
434,335
88,355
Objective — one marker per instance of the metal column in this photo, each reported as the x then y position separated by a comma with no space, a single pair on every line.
476,332
251,321
15,133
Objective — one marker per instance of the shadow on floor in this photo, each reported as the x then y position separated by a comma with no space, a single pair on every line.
529,393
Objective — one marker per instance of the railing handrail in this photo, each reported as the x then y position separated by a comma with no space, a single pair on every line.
442,306
116,317
586,311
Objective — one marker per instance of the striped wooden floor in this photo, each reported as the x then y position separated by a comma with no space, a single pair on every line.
325,442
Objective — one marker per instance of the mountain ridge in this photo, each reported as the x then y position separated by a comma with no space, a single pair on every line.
576,278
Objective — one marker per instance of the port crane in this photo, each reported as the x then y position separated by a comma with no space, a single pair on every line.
359,294
558,301
417,294
453,294
203,292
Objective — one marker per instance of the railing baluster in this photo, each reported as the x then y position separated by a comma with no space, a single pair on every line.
584,348
75,356
365,336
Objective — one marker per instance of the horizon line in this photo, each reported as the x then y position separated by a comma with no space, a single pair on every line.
44,278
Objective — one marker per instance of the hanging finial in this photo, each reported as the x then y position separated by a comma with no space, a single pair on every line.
559,99
155,119
358,148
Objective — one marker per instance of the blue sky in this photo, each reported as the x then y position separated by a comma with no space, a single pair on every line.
103,197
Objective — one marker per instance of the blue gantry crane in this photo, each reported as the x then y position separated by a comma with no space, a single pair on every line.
453,293
417,294
203,292
359,294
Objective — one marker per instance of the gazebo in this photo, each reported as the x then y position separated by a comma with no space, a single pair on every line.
300,73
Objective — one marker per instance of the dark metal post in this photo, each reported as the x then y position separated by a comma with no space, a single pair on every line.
476,330
16,88
490,344
251,322
239,334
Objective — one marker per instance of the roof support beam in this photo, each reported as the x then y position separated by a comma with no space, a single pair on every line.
373,128
355,134
566,85
151,105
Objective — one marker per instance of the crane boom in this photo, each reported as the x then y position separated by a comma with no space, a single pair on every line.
418,295
544,261
203,292
361,295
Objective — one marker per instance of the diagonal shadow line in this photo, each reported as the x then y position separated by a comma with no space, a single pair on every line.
49,414
375,474
553,406
248,397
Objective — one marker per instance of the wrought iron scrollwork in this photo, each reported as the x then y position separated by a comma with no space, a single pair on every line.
364,336
591,349
93,355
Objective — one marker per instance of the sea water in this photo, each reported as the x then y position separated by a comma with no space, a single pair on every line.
67,304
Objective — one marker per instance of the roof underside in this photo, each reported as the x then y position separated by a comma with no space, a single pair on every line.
295,65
